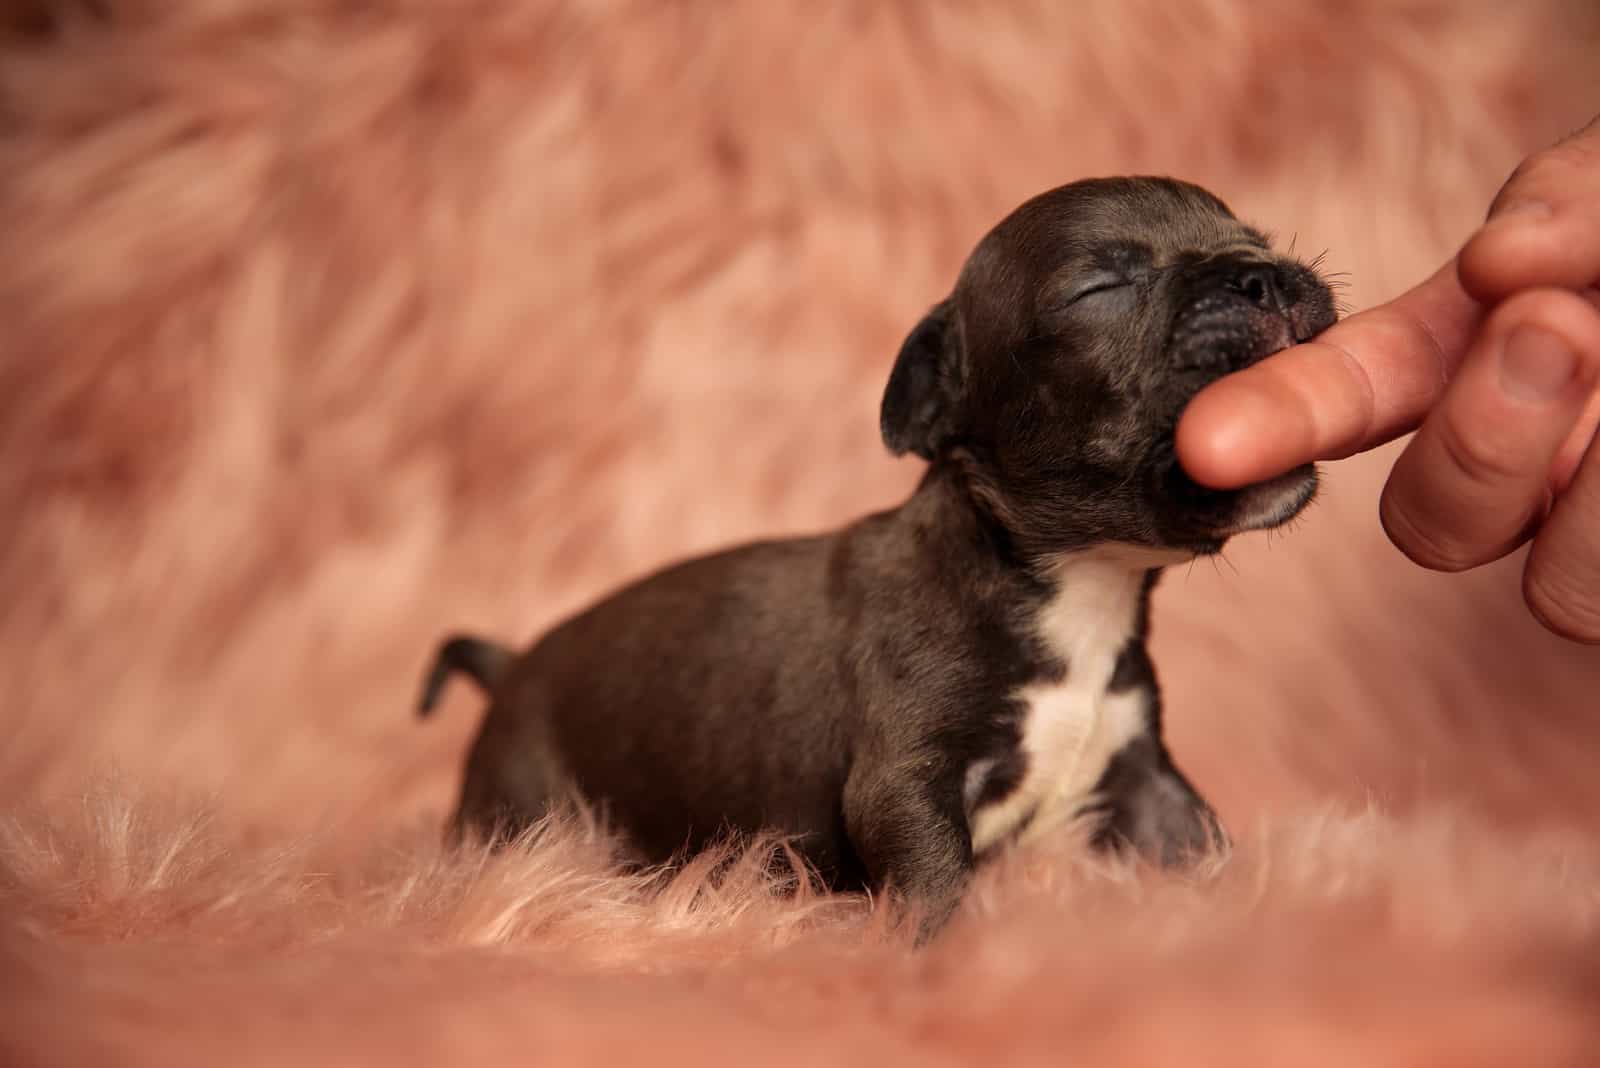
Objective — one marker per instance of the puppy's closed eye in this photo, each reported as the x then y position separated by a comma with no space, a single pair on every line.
1100,287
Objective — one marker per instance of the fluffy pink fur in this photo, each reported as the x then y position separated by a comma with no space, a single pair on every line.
329,326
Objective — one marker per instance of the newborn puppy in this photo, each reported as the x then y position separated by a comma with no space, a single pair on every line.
916,690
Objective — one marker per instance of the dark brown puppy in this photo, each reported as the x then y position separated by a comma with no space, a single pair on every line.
933,681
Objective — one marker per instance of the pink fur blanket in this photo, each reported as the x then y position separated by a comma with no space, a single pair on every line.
327,326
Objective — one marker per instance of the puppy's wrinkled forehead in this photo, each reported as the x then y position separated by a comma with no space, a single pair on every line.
1106,224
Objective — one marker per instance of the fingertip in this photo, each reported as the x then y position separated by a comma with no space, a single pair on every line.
1500,258
1419,539
1564,611
1225,435
1529,246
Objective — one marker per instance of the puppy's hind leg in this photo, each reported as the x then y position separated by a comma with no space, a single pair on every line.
512,777
487,815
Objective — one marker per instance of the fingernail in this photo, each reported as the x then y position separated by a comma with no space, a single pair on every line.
1536,365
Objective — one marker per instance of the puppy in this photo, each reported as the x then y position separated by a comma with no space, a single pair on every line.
911,693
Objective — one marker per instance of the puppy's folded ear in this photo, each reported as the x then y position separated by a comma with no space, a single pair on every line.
918,413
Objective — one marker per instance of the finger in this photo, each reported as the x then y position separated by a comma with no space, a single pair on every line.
1544,227
1473,482
1561,582
1360,383
1576,445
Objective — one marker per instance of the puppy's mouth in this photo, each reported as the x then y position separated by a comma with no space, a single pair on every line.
1202,519
1265,505
1206,518
1210,342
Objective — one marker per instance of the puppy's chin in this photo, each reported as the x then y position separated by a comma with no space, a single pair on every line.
1272,503
1201,520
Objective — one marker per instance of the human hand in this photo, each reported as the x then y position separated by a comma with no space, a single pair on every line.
1496,358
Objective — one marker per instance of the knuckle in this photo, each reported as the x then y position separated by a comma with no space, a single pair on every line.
1519,174
1561,604
1576,151
1583,144
1516,185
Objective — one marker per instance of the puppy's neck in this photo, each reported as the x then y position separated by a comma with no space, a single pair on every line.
1098,597
946,499
951,495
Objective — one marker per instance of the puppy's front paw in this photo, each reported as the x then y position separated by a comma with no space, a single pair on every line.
1164,820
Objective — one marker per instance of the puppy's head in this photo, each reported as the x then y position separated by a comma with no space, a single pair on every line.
1078,330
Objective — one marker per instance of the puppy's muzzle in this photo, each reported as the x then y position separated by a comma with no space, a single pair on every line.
1239,310
1261,285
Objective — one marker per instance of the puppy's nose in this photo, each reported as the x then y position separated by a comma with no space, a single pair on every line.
1261,284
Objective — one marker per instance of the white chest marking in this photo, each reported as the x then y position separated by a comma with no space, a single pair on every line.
1071,729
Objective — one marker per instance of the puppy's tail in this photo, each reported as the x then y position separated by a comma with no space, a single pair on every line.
483,661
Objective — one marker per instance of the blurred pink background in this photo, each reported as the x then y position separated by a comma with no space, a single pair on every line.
327,327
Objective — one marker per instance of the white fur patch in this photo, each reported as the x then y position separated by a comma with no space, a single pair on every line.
1272,503
1072,729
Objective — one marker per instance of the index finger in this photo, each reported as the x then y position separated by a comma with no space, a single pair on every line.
1358,384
